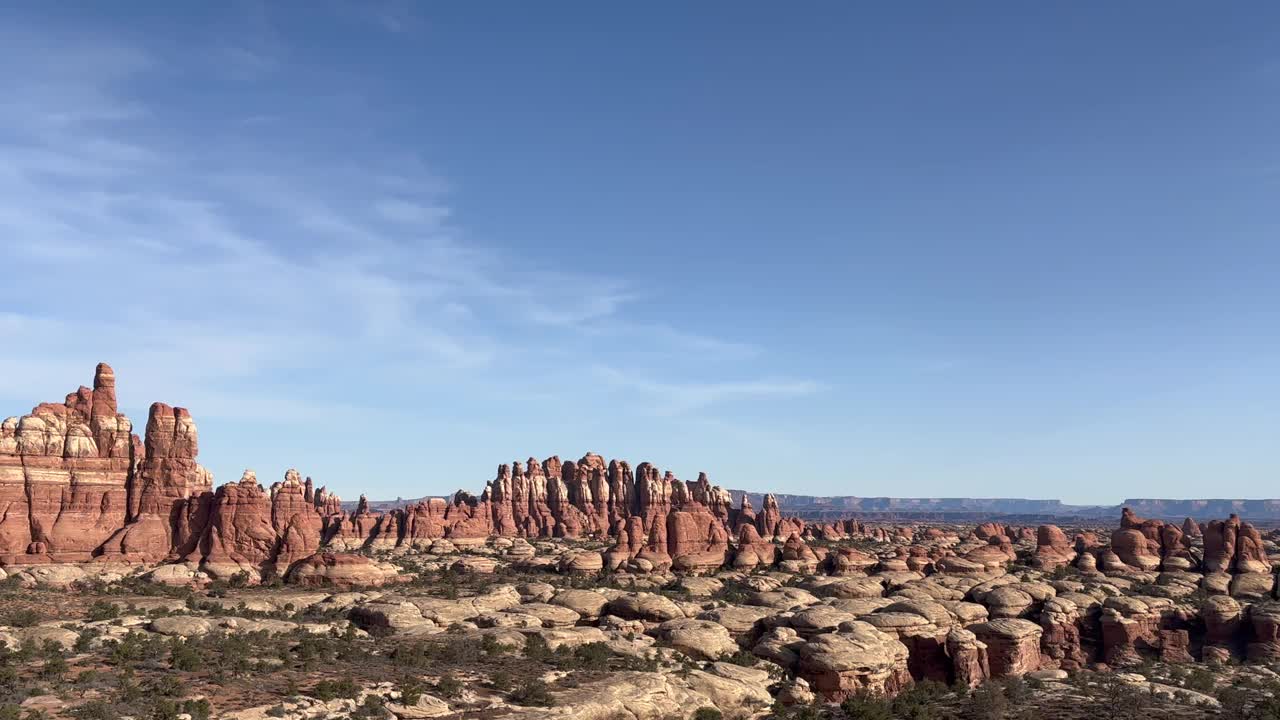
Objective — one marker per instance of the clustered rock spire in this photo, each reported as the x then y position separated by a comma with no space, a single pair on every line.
79,485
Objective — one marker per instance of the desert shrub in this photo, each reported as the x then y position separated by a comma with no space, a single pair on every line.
334,689
54,667
1199,679
410,690
745,658
707,713
919,702
372,707
649,663
425,655
85,638
1062,572
1016,690
170,709
165,686
23,617
198,709
1234,701
796,712
1267,708
95,710
448,686
865,706
10,681
987,703
532,692
183,655
732,594
500,680
536,648
25,652
134,648
128,692
591,656
103,610
490,646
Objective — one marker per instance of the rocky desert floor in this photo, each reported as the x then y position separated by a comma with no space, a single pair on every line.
477,633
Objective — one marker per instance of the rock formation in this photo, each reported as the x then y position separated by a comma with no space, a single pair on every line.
1053,549
941,603
76,483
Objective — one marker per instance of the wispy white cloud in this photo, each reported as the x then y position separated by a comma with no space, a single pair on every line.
253,277
678,398
404,211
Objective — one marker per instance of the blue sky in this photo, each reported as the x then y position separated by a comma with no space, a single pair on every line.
993,250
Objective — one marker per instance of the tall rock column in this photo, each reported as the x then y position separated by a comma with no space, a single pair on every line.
297,523
239,536
769,520
65,471
173,492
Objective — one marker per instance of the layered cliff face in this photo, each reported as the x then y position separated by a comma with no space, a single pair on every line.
73,477
77,485
169,493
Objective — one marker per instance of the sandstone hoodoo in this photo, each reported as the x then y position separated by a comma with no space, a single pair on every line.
78,486
839,607
77,483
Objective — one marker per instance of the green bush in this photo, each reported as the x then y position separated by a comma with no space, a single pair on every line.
427,655
334,689
95,710
372,707
745,658
183,655
536,648
490,646
25,617
500,680
54,667
1016,690
448,686
1124,701
103,610
165,686
197,709
987,703
532,692
707,713
592,656
410,690
85,639
919,702
865,706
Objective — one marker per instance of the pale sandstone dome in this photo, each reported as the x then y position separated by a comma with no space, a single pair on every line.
698,638
858,658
